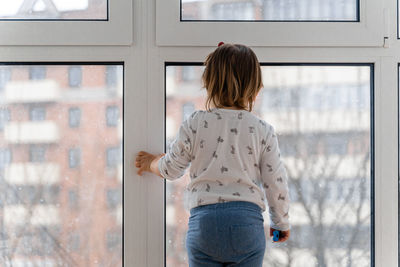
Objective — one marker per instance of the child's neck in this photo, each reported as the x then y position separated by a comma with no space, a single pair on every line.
235,108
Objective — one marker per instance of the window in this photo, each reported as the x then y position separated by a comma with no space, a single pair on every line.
113,198
50,175
270,10
114,156
113,240
313,133
37,73
75,76
74,22
37,153
5,157
4,117
112,116
74,242
73,199
273,23
5,77
37,114
74,157
56,10
111,76
74,118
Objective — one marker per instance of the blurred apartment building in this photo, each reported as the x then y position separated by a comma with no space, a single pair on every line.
61,165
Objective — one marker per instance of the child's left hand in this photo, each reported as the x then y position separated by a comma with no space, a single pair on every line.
144,162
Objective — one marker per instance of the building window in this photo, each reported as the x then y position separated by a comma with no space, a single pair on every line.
113,198
73,199
73,242
5,77
37,153
74,156
112,116
5,157
111,76
113,240
37,114
74,118
37,72
4,117
114,156
75,76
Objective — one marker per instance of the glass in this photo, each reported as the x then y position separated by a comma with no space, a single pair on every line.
270,10
51,214
322,115
53,9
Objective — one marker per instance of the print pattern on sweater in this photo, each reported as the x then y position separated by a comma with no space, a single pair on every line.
221,200
215,154
217,178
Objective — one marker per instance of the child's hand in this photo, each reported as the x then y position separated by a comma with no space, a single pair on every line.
144,162
283,235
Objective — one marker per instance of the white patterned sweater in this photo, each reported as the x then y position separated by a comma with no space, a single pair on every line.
233,156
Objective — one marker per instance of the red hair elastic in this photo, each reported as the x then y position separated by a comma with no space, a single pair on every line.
220,43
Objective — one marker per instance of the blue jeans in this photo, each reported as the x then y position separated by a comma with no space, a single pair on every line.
226,234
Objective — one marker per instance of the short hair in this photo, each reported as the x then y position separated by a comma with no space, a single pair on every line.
232,77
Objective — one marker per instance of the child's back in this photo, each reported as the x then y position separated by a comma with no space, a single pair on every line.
233,155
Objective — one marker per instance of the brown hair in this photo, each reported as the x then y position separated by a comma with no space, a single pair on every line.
232,77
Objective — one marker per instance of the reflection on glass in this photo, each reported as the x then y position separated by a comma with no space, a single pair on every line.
53,9
271,10
322,117
60,200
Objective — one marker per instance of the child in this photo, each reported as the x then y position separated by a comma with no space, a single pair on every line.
232,155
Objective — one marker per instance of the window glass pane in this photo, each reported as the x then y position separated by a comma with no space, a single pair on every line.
75,76
321,114
74,117
271,10
112,116
54,179
53,9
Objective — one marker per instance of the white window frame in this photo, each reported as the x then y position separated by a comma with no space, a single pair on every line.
144,101
117,30
173,32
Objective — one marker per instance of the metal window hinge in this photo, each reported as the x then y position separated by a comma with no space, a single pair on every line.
386,29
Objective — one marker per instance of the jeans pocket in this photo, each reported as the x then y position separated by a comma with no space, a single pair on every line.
247,238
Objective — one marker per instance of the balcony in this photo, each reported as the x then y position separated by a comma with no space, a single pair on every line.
32,132
34,215
32,173
31,91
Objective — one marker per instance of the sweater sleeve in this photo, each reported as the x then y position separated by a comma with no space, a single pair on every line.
174,163
275,182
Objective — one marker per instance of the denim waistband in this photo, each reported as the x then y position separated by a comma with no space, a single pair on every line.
230,204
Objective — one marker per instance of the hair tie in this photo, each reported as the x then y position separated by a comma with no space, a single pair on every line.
220,43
